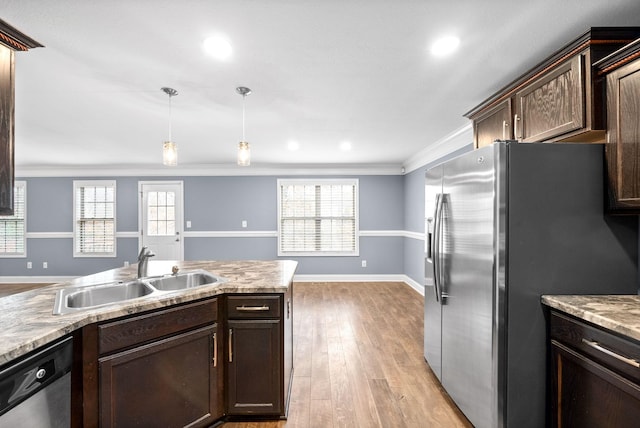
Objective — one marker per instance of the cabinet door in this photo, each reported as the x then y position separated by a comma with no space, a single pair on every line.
254,367
586,394
493,125
552,105
170,382
623,135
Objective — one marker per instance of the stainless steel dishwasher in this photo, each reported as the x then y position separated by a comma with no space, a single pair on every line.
35,391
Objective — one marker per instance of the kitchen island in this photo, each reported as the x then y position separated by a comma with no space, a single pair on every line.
594,347
228,344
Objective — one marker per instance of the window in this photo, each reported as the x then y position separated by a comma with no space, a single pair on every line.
12,227
318,217
95,223
161,213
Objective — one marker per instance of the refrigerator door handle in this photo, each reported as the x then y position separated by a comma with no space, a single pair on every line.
429,240
435,245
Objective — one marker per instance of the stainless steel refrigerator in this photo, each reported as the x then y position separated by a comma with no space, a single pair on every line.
505,224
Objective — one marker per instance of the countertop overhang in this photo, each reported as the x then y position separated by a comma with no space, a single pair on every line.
618,313
28,322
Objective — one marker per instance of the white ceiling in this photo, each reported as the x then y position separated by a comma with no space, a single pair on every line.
322,72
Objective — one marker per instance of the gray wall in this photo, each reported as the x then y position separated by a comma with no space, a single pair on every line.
391,204
212,204
414,216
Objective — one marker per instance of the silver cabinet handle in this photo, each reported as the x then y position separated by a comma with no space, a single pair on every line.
504,129
595,345
231,345
244,308
516,119
215,349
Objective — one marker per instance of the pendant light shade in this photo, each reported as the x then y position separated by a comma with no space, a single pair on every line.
169,148
244,151
244,154
169,153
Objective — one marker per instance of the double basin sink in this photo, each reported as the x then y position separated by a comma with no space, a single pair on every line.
73,299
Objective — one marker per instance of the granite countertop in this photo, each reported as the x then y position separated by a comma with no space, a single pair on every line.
618,313
28,322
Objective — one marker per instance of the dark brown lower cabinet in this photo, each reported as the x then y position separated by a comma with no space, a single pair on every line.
594,377
254,373
159,368
187,365
170,382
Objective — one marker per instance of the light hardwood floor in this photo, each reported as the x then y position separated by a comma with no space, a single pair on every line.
8,289
359,361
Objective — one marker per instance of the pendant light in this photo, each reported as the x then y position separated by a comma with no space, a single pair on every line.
244,151
169,148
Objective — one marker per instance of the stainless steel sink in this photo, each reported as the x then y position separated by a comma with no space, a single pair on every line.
74,299
185,280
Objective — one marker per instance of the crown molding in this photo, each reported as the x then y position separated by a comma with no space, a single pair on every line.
456,140
192,170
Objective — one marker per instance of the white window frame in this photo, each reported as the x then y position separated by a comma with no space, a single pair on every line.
23,254
77,184
319,182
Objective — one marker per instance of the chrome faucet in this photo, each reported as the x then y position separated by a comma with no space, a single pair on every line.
143,259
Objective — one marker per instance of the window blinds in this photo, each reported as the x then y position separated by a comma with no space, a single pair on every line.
12,227
318,218
95,219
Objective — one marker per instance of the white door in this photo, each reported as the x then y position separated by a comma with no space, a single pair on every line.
161,224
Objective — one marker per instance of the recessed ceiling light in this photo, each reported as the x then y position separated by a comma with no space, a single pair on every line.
218,47
345,146
293,145
445,45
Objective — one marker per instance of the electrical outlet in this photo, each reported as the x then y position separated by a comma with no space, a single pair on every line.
188,224
364,263
244,223
126,263
44,265
29,265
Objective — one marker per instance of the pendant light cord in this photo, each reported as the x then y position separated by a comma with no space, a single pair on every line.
244,91
243,97
170,117
171,92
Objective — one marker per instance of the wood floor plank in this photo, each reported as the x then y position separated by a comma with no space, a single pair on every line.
341,397
9,289
363,402
321,414
358,361
300,402
386,404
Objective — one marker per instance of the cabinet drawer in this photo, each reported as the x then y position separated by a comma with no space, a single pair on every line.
261,306
619,354
131,331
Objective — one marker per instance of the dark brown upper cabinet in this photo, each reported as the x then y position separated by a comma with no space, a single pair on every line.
621,72
11,40
558,100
